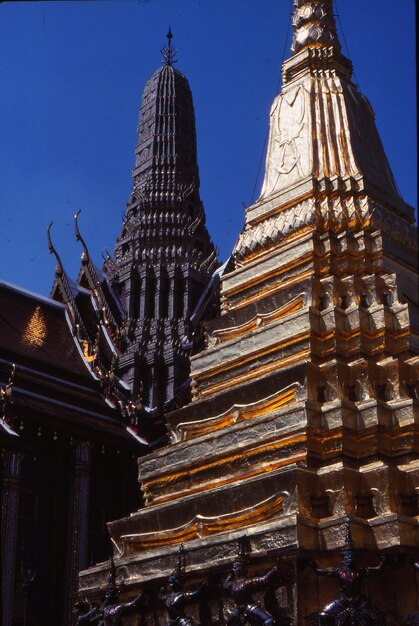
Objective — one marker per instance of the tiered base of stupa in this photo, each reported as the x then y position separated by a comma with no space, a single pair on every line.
304,417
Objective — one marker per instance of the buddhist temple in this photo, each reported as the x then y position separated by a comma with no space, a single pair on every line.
224,444
300,441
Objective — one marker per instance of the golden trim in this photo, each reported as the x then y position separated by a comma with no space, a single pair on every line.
298,456
264,369
260,319
279,208
237,413
163,481
246,358
277,271
270,290
203,526
297,235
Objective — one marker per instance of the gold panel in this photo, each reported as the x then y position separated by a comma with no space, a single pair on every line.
248,358
276,272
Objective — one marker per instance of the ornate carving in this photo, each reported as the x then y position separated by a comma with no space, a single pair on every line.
177,598
314,25
273,230
350,604
289,157
241,588
239,412
113,610
6,393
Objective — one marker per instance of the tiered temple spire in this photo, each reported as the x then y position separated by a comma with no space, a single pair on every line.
163,256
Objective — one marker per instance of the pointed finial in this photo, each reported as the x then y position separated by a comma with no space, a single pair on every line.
59,267
314,25
168,51
85,256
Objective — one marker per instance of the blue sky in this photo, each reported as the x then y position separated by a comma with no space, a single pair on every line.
71,78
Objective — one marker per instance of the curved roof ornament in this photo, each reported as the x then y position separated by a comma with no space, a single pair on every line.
85,256
168,52
59,269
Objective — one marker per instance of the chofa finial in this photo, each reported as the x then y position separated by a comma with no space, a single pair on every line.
85,256
59,270
168,51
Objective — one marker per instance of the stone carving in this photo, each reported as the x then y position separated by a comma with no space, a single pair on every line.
176,599
241,588
113,610
350,607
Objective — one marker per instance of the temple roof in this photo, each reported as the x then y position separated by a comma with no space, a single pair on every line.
38,330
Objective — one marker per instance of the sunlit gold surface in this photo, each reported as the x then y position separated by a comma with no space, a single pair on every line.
202,526
295,304
259,460
237,413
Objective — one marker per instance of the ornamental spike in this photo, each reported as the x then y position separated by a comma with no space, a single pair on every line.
168,52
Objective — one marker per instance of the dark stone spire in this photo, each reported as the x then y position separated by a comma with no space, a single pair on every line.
164,257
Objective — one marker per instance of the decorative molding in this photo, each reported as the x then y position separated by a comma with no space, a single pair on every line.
259,320
239,412
202,526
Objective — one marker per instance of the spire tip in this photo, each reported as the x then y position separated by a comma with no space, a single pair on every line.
168,52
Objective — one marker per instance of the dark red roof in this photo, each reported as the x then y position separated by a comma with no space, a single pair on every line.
37,329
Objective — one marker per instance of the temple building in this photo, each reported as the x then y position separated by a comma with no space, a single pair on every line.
301,438
268,407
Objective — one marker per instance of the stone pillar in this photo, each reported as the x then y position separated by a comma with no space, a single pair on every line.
171,307
157,296
142,295
11,464
78,525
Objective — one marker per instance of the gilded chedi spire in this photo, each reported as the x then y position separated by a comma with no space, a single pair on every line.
322,129
314,25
